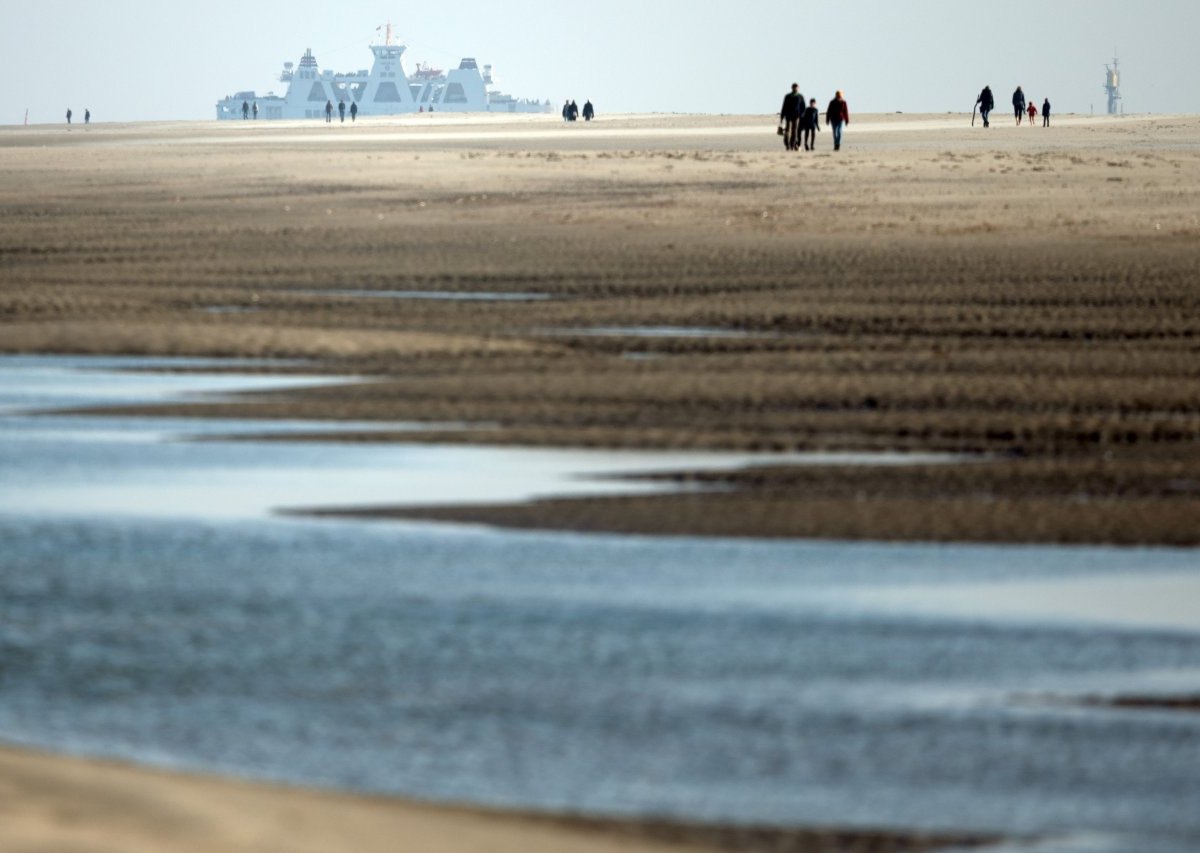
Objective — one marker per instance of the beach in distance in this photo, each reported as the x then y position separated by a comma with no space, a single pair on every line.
1015,310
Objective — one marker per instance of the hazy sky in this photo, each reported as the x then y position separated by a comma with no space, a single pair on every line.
149,59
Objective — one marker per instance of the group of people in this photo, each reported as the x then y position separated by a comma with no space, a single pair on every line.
87,116
1022,108
247,109
341,108
800,121
570,111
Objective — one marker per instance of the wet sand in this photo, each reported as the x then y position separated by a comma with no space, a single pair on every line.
1028,294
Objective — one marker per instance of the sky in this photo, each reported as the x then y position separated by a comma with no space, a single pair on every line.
143,60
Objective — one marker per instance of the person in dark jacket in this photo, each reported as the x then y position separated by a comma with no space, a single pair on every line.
354,112
342,111
789,117
810,123
254,110
1019,105
1046,113
245,110
986,103
837,116
69,114
589,112
573,113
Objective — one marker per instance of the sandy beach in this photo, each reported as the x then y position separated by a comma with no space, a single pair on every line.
52,805
1026,297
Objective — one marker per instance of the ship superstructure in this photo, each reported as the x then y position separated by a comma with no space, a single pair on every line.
1112,85
385,90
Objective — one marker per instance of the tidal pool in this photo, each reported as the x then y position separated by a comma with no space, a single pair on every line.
153,608
437,295
660,332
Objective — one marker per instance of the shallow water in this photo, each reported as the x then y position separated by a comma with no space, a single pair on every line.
659,332
438,295
784,683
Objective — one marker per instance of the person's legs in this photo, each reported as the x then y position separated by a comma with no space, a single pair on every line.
837,136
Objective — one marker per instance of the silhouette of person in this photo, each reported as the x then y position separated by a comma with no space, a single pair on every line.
837,116
342,110
810,123
589,112
68,117
354,112
1046,113
329,112
255,109
986,103
790,114
245,110
87,116
1019,105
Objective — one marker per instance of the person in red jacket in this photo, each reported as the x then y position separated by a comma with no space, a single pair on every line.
836,116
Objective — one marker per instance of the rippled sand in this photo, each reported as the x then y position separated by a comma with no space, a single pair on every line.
1026,294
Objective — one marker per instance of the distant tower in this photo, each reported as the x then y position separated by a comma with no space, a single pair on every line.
1113,85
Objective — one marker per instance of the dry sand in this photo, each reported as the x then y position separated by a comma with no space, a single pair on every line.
1031,295
63,805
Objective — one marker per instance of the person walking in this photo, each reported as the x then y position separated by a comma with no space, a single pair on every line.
1032,110
329,112
1019,105
837,116
567,110
810,124
1046,113
354,112
87,116
589,112
573,112
69,117
986,103
254,110
245,110
342,111
789,118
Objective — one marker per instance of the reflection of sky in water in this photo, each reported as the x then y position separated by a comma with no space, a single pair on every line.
117,465
658,332
435,295
151,609
1137,599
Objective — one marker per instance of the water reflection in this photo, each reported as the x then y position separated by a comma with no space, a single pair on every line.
152,609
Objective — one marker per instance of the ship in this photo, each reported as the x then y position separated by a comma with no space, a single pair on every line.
385,90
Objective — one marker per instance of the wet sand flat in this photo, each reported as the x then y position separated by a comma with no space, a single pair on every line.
1028,295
